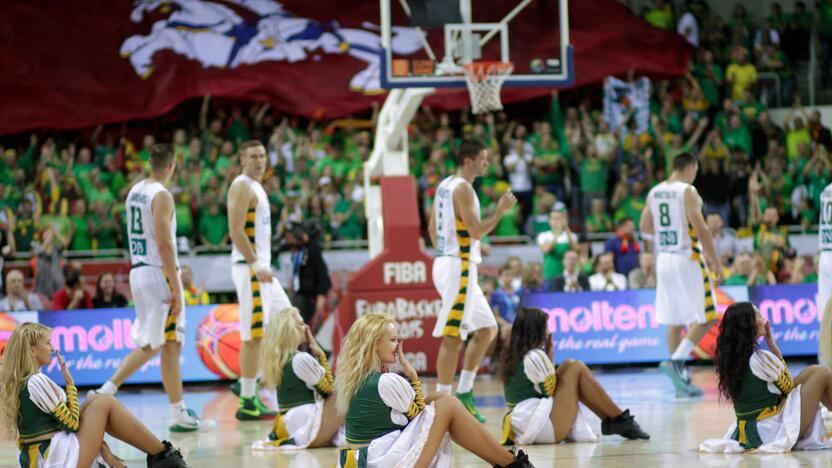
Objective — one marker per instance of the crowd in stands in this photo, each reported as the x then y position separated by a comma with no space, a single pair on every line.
572,172
73,294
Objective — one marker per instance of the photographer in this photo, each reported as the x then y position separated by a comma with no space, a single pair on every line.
310,275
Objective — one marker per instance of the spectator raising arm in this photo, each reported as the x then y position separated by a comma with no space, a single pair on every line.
697,134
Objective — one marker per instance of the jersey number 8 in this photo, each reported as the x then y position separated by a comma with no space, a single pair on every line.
664,215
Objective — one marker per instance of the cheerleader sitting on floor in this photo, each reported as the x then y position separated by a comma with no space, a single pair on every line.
389,423
53,431
294,364
774,412
543,402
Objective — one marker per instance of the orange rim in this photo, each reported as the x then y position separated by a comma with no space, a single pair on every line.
479,71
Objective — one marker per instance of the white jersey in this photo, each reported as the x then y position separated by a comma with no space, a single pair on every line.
670,220
258,225
825,224
450,231
141,231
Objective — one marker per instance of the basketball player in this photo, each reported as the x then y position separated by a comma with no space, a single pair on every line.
156,287
684,293
456,229
258,291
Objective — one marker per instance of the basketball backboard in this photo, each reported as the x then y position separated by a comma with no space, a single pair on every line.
426,42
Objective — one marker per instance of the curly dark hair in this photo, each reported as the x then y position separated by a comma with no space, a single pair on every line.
529,331
736,343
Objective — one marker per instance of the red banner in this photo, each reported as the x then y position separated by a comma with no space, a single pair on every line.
75,63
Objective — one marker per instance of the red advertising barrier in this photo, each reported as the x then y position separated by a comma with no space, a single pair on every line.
398,281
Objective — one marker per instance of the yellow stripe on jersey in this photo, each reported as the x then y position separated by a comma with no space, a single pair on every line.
454,320
710,295
68,413
772,410
256,300
743,439
507,434
550,384
351,459
250,229
279,430
33,455
170,320
256,307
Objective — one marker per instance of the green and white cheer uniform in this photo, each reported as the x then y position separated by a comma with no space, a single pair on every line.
389,415
46,408
305,384
768,413
529,396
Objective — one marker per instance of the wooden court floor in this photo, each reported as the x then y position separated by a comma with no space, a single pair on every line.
676,427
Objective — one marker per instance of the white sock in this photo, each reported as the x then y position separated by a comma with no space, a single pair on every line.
109,388
683,351
442,388
247,386
176,408
466,381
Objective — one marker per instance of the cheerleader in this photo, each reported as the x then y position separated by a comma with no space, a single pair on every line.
543,401
51,429
389,423
293,363
774,412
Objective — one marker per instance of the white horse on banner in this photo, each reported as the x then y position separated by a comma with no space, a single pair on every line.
217,36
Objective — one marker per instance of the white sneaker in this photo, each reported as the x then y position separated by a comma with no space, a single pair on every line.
186,420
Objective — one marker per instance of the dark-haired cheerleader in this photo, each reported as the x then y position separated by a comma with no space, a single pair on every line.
774,412
543,401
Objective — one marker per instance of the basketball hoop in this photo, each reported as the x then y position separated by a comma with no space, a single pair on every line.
484,80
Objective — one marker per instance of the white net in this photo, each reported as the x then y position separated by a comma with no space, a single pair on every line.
485,79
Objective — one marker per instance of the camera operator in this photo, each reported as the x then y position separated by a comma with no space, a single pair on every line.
310,275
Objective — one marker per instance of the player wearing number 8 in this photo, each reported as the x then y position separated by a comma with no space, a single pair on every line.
685,256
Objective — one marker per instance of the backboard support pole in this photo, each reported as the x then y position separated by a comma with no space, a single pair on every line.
506,19
390,156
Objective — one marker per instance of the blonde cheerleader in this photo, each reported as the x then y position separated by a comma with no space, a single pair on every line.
52,429
293,363
774,412
543,402
389,423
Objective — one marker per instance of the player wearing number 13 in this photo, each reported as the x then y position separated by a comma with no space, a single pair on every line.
686,254
156,287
